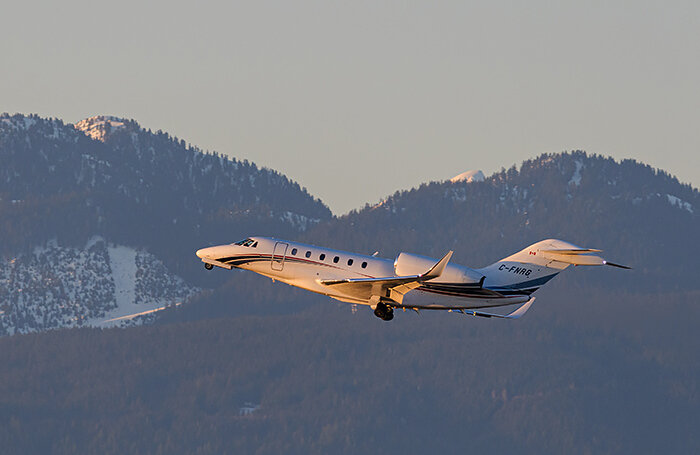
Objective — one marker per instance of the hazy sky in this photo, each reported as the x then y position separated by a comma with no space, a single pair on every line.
358,99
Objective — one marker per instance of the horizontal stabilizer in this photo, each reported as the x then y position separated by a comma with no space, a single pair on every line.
571,250
617,265
577,256
574,256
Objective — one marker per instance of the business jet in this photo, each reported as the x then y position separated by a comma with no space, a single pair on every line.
411,281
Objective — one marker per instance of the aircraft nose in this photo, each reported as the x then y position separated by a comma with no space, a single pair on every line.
202,253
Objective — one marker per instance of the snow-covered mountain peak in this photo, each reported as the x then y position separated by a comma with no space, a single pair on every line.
469,176
100,126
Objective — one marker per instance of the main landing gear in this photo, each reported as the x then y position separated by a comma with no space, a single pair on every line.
208,266
384,312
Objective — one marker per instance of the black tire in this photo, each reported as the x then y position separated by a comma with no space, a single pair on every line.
384,312
379,312
389,315
208,266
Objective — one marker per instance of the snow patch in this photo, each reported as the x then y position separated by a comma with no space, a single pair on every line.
678,202
300,222
100,126
469,176
576,178
122,260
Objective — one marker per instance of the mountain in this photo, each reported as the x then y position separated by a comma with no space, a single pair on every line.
150,194
469,176
606,361
638,215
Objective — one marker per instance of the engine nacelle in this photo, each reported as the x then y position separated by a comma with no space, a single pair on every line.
414,264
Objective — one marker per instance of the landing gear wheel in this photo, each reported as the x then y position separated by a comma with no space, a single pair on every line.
389,315
208,266
384,312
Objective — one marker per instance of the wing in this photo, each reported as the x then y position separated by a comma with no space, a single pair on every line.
393,288
514,315
127,317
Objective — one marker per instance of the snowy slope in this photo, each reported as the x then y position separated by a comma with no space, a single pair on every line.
56,287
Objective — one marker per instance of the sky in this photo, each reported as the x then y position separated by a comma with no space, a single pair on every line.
355,100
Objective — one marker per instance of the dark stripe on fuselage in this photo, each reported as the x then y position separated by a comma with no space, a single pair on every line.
239,260
537,282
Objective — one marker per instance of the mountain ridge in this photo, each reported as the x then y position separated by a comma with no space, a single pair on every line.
147,193
606,360
154,193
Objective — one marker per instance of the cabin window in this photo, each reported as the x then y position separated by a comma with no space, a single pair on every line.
322,257
294,251
255,245
308,254
364,265
349,261
336,259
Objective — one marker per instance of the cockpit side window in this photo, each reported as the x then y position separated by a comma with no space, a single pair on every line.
247,242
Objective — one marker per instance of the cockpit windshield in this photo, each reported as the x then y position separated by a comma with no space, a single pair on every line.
247,242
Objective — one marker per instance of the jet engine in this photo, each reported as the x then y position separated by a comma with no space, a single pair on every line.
413,264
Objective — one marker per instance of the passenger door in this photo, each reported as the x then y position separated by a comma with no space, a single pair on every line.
278,256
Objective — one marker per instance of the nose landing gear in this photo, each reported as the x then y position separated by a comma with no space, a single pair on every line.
384,312
208,266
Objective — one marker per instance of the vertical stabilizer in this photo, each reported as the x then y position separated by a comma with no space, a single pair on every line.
530,268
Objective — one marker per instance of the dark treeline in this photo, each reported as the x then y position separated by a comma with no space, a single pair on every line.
601,375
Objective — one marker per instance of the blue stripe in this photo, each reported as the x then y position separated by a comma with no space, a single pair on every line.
527,284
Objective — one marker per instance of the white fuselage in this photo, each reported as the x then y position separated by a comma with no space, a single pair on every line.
305,266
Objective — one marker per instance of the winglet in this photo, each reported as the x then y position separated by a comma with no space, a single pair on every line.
520,311
514,315
436,270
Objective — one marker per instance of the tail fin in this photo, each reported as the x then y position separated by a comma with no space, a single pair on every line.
527,270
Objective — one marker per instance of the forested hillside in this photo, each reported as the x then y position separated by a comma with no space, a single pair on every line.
71,193
636,214
588,373
134,186
606,360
